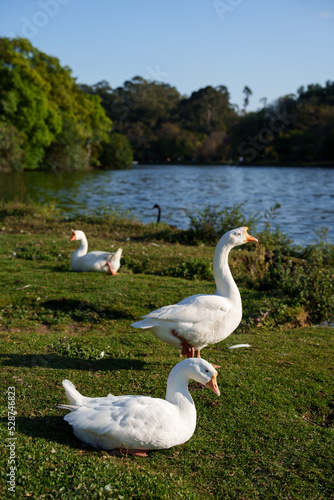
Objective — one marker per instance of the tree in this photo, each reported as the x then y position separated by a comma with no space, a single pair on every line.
213,147
247,91
175,143
46,107
207,110
117,152
292,129
23,101
11,150
161,125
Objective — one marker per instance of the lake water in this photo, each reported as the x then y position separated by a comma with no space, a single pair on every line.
306,195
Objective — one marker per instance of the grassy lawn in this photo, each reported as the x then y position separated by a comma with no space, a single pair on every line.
268,436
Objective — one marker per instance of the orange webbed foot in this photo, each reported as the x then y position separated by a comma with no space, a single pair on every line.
111,269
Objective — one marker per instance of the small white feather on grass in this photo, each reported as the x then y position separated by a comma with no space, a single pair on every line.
239,345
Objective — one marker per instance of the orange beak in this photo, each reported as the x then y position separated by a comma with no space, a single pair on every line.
248,237
73,236
212,384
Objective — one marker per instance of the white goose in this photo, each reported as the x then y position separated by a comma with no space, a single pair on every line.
200,320
103,262
135,424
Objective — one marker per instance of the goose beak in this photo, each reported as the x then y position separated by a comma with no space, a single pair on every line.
212,384
248,237
73,236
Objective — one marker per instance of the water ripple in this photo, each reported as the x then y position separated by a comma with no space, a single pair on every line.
305,194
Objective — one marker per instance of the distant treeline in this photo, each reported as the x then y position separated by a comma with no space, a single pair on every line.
48,121
163,125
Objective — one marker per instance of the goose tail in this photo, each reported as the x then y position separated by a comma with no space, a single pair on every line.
118,253
74,396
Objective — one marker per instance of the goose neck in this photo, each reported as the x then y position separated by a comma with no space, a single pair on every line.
225,283
177,389
83,248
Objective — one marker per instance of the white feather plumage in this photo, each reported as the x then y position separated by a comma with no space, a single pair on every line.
98,261
140,422
201,319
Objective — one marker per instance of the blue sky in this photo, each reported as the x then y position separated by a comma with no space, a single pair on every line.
273,47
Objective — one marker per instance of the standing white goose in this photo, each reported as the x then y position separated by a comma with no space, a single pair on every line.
103,262
135,424
200,320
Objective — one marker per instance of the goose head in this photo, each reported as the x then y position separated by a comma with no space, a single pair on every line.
78,236
203,372
238,236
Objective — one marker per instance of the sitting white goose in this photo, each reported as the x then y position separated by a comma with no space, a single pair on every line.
200,320
135,424
103,262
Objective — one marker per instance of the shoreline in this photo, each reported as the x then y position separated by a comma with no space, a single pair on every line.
186,164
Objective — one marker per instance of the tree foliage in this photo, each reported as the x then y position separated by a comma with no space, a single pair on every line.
116,152
163,125
56,124
292,129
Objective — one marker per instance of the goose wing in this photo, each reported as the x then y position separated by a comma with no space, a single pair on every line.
195,309
126,421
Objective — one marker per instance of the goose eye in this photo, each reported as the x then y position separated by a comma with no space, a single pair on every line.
207,371
238,234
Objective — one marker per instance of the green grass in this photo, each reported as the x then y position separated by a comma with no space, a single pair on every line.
268,436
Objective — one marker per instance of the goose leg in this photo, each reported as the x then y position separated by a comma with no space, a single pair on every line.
111,269
187,349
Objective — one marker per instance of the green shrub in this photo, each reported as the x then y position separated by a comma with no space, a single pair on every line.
209,224
306,285
320,253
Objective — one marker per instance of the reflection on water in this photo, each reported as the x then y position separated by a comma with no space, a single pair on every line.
306,195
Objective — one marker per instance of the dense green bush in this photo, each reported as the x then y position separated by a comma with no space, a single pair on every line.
303,275
209,224
305,285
